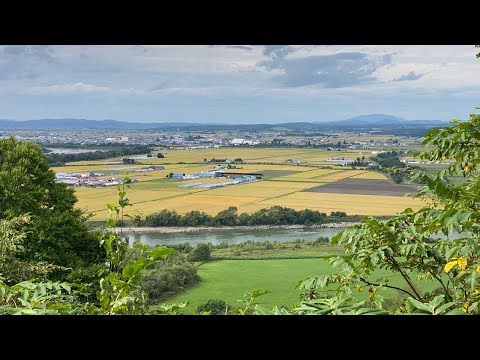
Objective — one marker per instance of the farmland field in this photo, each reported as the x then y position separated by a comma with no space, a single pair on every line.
230,279
312,184
355,185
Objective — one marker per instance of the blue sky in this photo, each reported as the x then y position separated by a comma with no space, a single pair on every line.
238,83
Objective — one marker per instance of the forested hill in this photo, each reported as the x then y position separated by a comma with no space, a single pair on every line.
380,123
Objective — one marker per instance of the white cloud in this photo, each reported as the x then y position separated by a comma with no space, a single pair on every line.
230,79
66,89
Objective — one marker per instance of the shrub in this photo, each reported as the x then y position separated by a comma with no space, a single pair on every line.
320,241
200,253
215,306
168,281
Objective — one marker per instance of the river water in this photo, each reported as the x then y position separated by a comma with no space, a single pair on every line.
238,236
232,236
70,151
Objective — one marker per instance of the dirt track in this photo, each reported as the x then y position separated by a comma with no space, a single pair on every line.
365,187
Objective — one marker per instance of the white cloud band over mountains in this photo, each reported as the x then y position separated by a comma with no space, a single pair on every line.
237,83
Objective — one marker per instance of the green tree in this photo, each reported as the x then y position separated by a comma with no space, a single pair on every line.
118,290
338,214
195,218
200,253
227,217
13,269
57,232
163,218
214,307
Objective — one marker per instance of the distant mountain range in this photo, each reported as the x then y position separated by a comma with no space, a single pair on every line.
380,121
58,124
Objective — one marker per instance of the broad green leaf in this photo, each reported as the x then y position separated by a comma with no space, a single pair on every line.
473,279
418,305
128,271
463,215
437,301
371,311
444,307
161,253
461,276
455,311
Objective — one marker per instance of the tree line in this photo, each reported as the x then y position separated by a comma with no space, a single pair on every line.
60,159
389,163
276,215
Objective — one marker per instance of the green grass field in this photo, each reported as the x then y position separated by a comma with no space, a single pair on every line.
292,250
230,279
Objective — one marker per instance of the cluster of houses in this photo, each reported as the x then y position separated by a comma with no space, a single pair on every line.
236,179
240,141
92,179
293,161
341,161
88,179
151,168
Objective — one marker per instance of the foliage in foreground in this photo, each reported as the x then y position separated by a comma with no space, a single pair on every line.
410,242
119,292
213,307
56,231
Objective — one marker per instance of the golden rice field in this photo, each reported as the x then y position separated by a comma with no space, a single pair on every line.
342,175
265,155
312,173
351,204
283,185
370,175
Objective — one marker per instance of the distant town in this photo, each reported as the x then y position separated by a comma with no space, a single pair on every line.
199,140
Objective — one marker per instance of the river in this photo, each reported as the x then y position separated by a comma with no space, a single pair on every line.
70,151
231,236
238,236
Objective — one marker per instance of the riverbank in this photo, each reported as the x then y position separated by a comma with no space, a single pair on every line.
183,229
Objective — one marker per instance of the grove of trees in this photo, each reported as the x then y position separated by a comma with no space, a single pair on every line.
61,159
275,215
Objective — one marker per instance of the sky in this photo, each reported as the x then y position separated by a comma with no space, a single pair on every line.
238,83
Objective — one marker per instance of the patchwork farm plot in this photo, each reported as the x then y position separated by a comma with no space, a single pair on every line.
312,184
354,185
